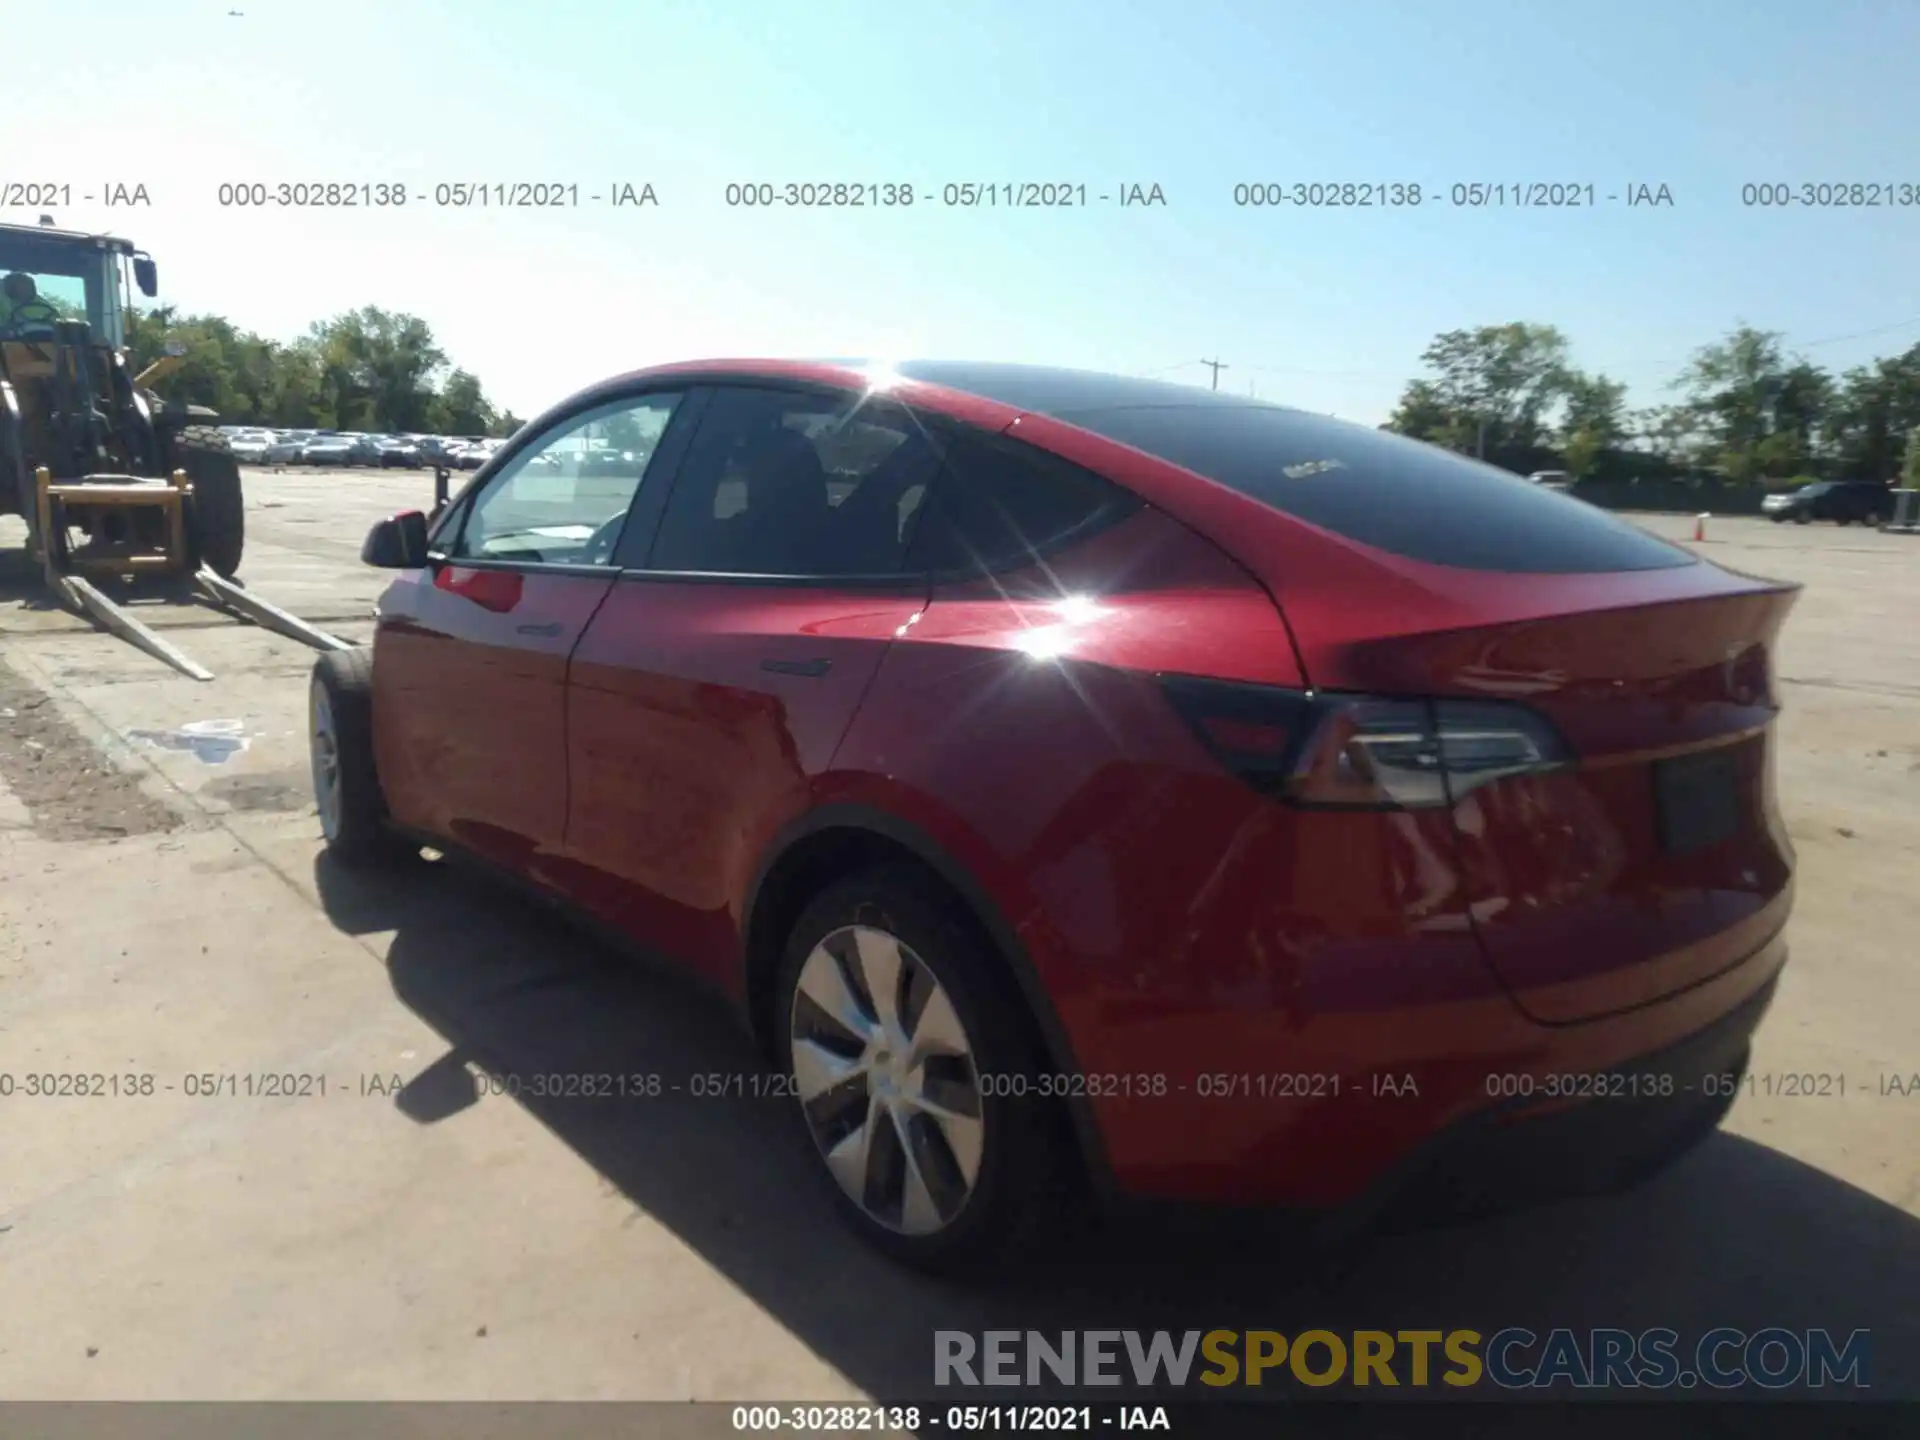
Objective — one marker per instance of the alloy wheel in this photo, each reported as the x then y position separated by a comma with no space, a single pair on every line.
886,1078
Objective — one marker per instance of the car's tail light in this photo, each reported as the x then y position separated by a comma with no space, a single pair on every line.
1362,751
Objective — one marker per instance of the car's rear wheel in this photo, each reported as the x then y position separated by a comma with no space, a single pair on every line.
1801,518
920,1079
346,784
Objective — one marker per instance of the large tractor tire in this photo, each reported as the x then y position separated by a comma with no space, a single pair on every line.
218,528
16,480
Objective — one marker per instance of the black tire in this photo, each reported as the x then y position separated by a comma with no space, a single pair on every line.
355,827
218,530
14,473
1801,517
1028,1176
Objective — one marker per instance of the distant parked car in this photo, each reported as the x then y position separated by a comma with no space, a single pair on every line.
287,450
341,451
1841,501
331,450
250,446
1552,479
400,454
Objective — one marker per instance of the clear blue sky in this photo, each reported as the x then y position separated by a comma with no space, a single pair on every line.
1325,310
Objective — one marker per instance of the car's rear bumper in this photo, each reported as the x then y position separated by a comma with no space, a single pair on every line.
1469,1107
1639,1117
1514,1154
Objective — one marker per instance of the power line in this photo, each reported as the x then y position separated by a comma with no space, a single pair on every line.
1859,334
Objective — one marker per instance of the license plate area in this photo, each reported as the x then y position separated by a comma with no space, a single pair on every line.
1696,801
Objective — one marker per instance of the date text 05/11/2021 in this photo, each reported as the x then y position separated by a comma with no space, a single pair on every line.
444,195
1458,195
906,1420
761,1085
315,1085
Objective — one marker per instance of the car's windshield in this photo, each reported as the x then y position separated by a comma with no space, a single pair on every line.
44,279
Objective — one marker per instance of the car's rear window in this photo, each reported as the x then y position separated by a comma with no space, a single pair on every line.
1384,490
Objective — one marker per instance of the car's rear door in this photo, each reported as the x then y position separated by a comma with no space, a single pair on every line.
716,682
472,651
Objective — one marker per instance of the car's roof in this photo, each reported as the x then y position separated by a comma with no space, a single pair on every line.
1064,393
1037,389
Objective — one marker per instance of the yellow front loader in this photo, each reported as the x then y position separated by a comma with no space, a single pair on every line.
119,490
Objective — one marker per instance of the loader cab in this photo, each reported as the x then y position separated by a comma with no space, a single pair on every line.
69,276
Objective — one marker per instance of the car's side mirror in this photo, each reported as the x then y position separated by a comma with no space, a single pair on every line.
146,275
397,543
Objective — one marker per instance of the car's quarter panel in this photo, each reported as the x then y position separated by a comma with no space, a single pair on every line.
1145,593
700,715
469,706
1197,942
1199,945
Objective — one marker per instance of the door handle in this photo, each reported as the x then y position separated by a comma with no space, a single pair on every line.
553,629
812,669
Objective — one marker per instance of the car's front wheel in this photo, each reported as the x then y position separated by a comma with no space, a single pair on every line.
346,784
920,1078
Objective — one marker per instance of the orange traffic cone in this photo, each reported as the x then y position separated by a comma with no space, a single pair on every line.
1700,527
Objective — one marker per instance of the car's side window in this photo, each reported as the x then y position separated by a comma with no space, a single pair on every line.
564,498
1002,503
797,484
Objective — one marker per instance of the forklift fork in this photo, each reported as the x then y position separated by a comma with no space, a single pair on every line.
80,592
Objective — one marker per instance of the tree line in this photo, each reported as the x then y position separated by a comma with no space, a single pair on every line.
368,370
1745,411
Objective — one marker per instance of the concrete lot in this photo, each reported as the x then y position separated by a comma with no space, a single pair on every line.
163,913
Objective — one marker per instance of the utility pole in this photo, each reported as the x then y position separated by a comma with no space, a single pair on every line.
1216,367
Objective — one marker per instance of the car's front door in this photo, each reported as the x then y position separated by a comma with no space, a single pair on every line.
716,682
472,651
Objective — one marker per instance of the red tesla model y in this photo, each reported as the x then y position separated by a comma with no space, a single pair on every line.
1086,786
